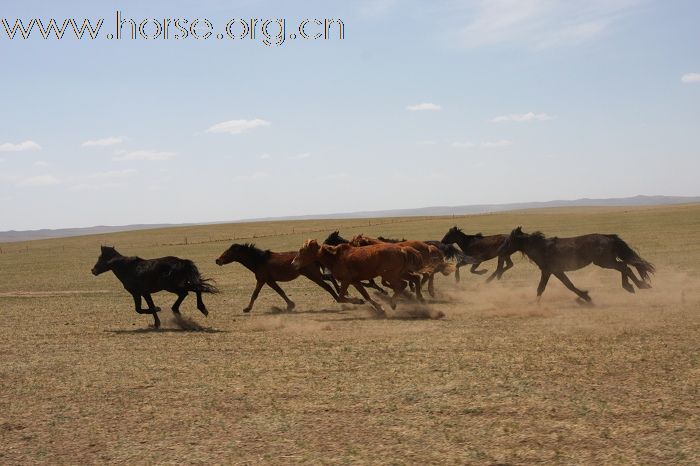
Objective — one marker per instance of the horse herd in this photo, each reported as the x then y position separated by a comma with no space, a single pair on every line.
400,264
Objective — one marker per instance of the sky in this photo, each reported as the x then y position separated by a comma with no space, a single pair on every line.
420,104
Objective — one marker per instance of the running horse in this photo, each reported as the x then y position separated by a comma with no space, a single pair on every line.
272,267
142,277
554,256
351,265
481,248
431,256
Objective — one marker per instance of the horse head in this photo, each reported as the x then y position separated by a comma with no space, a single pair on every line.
104,264
308,254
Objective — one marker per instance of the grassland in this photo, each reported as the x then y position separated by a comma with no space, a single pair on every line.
500,379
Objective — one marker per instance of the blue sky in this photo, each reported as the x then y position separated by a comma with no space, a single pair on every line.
423,103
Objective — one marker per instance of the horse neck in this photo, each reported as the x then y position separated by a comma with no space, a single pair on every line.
248,261
325,257
123,267
463,240
534,250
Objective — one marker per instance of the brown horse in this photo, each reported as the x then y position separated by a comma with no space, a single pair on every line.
431,256
554,256
481,248
334,239
350,265
272,267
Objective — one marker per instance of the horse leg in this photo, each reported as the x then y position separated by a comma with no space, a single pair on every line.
544,278
254,296
180,298
200,304
417,284
625,272
457,273
509,264
478,272
290,304
373,284
152,310
319,281
431,285
335,284
567,283
377,307
498,272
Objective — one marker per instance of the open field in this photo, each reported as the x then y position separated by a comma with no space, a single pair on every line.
500,379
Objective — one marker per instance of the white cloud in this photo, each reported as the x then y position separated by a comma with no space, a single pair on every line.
305,155
520,117
96,187
144,155
689,78
500,143
537,23
37,181
20,147
427,142
237,126
264,156
104,142
423,106
113,174
462,144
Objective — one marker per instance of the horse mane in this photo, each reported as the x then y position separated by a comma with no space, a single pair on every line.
257,255
478,235
390,240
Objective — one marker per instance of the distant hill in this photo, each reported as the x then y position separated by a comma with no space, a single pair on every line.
486,208
11,236
28,235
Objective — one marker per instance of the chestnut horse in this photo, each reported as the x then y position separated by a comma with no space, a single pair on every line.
334,239
554,256
272,267
350,265
481,248
430,254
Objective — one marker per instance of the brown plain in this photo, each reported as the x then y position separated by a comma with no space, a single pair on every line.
500,379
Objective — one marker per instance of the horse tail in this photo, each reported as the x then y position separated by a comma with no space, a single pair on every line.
460,258
629,256
195,281
412,260
443,267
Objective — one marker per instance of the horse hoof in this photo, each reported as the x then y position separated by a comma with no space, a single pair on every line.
246,310
204,311
291,307
156,309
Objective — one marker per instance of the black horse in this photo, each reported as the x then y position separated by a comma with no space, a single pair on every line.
334,239
141,277
554,256
481,248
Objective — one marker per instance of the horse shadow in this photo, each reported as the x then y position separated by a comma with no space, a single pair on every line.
148,330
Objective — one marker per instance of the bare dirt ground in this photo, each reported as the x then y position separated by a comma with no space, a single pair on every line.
500,379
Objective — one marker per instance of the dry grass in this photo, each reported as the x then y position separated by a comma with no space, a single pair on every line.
499,379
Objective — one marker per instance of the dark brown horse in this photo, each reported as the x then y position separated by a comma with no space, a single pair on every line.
481,248
272,267
554,256
431,256
142,277
351,265
334,239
